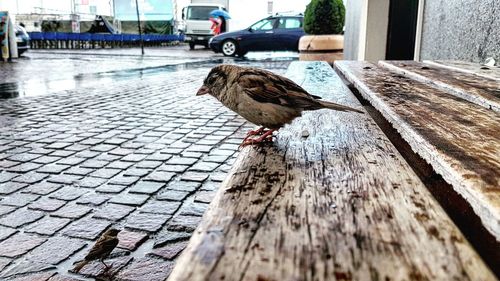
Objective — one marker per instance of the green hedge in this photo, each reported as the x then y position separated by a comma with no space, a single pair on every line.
324,17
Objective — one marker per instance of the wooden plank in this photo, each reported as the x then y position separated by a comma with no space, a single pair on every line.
459,139
340,204
490,72
479,90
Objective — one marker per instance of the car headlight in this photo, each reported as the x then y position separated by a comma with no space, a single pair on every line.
210,40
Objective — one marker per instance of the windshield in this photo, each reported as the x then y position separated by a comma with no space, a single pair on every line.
199,12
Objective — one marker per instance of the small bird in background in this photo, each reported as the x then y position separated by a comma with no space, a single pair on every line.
262,97
101,249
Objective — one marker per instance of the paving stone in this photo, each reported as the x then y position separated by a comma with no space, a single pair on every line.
19,244
71,160
6,232
182,161
172,195
170,251
194,176
200,148
47,225
146,221
24,168
146,187
95,199
106,173
123,180
187,186
10,187
222,152
68,193
46,204
173,168
160,176
62,153
42,188
53,168
89,154
173,151
79,171
111,188
55,250
64,179
191,154
160,207
146,269
184,223
216,158
133,158
113,212
91,182
25,267
72,211
19,199
122,165
8,163
58,145
129,199
147,164
87,228
168,237
193,209
130,240
42,276
102,147
94,164
23,157
218,177
159,157
31,177
4,262
6,176
204,196
134,172
46,159
6,209
98,270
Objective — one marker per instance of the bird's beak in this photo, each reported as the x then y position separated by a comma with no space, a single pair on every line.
203,91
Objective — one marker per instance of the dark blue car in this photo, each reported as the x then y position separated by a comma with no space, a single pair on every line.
274,33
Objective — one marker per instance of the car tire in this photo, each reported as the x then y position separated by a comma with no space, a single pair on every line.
229,48
191,45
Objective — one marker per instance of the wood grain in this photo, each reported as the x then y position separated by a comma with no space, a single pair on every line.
476,89
341,204
461,140
490,72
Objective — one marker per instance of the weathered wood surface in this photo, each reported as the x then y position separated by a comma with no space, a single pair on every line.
461,140
476,89
491,72
341,204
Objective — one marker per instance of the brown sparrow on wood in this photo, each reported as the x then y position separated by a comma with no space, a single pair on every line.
101,249
262,97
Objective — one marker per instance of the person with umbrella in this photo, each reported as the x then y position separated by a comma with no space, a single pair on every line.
221,17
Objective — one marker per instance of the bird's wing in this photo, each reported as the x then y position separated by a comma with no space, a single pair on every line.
102,248
267,87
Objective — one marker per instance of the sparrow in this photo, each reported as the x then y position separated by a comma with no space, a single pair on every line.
101,249
262,98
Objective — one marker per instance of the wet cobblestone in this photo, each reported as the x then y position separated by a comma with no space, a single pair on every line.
144,155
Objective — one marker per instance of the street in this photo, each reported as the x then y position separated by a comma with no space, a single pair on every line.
91,139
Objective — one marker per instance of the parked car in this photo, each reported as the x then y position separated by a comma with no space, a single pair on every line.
23,39
274,33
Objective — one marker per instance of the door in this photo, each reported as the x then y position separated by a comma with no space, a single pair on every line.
259,36
401,30
287,33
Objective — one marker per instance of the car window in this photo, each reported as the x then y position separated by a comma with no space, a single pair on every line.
265,24
293,23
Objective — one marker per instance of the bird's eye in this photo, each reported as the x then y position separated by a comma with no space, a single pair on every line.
211,79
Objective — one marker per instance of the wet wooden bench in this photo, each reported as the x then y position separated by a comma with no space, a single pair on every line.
331,199
449,117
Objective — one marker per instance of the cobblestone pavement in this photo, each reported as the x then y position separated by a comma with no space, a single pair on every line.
142,154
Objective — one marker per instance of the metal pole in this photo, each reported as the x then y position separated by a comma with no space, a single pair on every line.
139,26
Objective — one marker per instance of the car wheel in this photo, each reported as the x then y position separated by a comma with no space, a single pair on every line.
229,48
191,45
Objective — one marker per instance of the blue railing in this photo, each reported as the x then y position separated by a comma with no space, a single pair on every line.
96,40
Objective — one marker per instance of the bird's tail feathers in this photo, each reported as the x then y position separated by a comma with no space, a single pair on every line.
79,266
338,107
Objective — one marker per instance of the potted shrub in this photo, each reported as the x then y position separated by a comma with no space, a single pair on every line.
324,23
